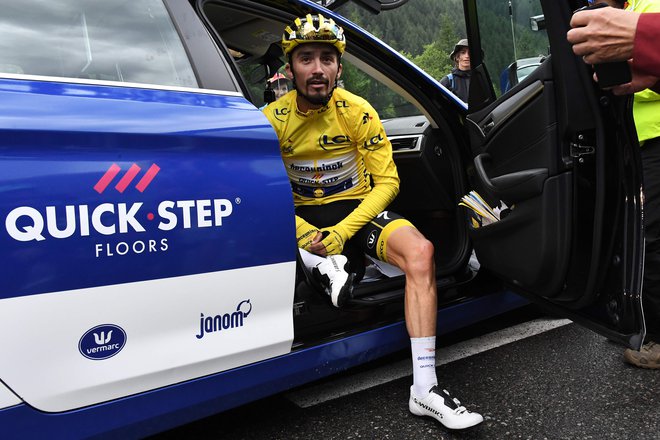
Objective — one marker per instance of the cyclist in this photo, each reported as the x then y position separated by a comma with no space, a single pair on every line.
343,177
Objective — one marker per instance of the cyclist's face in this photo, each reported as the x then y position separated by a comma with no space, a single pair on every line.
315,67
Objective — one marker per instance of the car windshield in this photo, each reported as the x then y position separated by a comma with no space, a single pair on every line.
80,39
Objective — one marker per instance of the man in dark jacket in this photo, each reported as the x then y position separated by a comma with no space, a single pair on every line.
458,81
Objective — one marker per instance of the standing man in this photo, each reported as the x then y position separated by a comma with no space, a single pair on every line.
646,112
458,81
343,177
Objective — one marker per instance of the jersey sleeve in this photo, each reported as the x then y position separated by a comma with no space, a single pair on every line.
376,151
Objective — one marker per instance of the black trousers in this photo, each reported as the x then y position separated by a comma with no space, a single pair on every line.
651,292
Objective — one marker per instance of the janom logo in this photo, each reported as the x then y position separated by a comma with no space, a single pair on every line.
26,223
226,321
102,342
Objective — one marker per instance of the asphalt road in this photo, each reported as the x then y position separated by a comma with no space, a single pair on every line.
565,383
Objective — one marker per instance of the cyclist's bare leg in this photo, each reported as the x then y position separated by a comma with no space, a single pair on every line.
409,250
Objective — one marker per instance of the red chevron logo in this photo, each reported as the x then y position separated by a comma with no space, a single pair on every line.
128,177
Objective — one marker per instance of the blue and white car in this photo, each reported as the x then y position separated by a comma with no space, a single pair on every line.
149,273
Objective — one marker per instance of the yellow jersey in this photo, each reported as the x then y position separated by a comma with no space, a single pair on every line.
335,153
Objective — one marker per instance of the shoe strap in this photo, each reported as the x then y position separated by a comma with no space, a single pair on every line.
449,401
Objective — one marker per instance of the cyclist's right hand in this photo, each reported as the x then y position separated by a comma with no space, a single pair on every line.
306,234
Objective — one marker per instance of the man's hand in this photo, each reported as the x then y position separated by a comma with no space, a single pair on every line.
316,247
603,35
640,81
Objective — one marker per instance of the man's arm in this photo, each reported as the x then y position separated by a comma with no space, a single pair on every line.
306,234
646,55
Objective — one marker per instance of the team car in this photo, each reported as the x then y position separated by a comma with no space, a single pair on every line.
150,272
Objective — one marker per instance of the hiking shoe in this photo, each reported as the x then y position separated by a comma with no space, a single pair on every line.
446,409
647,357
333,275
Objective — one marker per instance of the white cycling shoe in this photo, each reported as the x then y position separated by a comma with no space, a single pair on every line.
446,409
333,274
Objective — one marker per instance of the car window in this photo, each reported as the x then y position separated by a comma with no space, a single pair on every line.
524,71
253,40
126,41
424,31
387,103
513,39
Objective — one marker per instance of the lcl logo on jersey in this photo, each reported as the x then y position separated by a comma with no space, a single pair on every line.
328,142
374,143
280,113
102,342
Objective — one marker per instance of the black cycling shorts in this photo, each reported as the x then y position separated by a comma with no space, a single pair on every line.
371,239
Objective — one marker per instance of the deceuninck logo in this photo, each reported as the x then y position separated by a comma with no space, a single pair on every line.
126,180
29,223
102,342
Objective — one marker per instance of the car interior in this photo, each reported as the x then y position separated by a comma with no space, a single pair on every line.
425,153
529,144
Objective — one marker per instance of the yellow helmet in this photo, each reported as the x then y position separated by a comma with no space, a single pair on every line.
313,29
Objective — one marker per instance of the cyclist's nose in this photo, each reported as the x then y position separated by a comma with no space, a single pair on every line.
316,66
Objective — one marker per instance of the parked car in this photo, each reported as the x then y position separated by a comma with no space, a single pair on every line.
517,71
149,261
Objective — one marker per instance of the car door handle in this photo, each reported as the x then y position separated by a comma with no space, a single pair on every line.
512,187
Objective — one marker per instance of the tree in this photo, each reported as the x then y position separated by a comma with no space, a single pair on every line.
435,57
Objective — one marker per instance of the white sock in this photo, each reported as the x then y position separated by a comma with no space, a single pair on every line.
423,355
309,259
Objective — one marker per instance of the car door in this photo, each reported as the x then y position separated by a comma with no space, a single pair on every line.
563,156
145,206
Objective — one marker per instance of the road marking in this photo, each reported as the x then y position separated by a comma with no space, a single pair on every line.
349,384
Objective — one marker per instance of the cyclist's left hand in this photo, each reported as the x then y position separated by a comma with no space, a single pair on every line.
334,239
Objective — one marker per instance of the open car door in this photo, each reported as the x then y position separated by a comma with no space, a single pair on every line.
563,156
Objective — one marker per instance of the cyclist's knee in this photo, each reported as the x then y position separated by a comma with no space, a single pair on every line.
414,253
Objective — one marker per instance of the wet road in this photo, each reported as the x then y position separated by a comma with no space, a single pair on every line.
564,383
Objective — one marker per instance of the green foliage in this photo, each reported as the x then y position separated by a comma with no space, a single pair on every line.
435,57
387,103
411,27
425,31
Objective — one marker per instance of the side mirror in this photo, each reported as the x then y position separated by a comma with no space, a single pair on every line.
537,22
